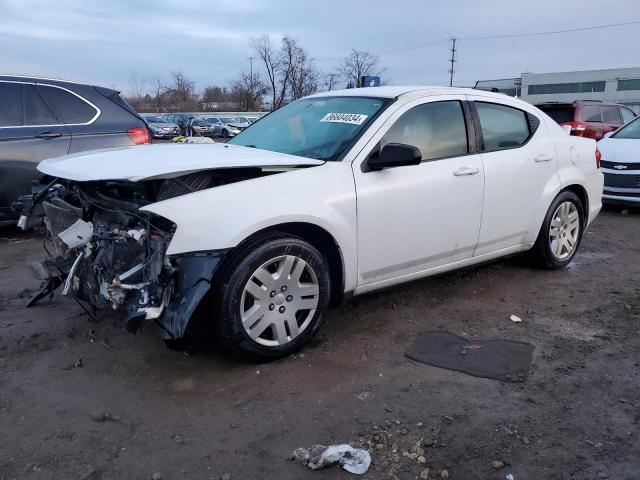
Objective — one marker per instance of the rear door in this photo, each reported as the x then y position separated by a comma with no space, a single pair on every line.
519,163
29,133
611,118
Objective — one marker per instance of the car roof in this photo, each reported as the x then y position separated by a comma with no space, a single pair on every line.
398,90
30,79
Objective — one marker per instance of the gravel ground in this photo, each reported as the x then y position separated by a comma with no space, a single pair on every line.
137,410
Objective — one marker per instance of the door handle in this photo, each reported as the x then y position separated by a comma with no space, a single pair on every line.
466,171
46,135
544,157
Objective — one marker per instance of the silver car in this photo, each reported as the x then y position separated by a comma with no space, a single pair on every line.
160,127
227,127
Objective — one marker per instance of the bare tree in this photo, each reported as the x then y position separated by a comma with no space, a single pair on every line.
270,57
330,81
358,64
158,93
304,75
247,91
182,93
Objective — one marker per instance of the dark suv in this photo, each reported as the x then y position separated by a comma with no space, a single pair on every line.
42,118
588,118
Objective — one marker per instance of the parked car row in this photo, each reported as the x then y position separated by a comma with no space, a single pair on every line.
169,125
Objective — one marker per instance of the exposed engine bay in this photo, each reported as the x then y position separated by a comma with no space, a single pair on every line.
107,254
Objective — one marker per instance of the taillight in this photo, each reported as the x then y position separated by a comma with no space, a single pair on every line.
598,157
139,135
577,129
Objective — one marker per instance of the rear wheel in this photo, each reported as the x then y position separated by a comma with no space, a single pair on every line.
561,232
273,296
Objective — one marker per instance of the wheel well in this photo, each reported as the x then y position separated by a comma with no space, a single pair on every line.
582,195
325,243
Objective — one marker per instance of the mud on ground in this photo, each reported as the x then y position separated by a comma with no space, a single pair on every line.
138,408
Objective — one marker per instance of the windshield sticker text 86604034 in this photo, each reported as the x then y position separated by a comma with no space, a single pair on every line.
353,118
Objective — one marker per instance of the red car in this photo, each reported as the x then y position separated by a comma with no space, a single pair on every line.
588,118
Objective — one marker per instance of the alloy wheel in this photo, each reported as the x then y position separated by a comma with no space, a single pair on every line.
564,230
279,300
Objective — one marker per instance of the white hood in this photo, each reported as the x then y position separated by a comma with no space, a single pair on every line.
625,150
171,160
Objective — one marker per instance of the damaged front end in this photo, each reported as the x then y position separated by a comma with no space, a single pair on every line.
108,254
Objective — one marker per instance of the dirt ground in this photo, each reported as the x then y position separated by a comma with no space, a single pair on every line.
138,409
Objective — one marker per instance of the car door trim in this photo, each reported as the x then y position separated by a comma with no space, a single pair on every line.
62,124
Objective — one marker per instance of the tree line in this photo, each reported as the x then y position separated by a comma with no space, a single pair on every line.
282,73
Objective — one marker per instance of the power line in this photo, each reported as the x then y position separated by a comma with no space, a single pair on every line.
551,32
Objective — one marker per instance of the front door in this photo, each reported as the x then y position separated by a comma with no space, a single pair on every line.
414,218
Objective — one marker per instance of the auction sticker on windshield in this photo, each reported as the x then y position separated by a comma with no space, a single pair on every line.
352,118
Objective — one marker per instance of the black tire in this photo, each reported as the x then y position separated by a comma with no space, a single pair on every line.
541,253
239,269
224,134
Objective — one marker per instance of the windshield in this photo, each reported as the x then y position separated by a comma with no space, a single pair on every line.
630,130
154,119
320,128
228,120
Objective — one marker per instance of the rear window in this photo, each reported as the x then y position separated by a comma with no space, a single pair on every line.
559,114
69,108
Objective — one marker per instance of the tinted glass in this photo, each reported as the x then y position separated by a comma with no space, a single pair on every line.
10,104
627,115
559,114
580,87
320,128
67,107
502,126
591,113
36,112
154,119
629,84
630,130
438,129
610,114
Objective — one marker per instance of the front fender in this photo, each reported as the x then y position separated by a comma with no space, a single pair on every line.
221,217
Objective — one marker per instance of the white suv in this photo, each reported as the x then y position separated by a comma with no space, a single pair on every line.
333,195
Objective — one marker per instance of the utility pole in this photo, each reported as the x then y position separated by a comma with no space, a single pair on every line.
452,60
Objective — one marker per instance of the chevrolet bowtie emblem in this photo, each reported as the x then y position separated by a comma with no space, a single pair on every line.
620,167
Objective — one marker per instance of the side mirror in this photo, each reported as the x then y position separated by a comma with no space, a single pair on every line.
567,129
395,155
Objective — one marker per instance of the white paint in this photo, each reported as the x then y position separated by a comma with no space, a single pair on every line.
391,226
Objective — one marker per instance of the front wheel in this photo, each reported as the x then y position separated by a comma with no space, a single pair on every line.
561,232
273,296
225,134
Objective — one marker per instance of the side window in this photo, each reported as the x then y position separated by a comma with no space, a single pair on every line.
627,115
504,127
11,102
67,107
36,112
591,113
611,115
438,129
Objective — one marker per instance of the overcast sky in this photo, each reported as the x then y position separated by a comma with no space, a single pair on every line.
102,42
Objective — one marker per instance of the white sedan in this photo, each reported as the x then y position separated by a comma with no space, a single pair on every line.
334,195
620,152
